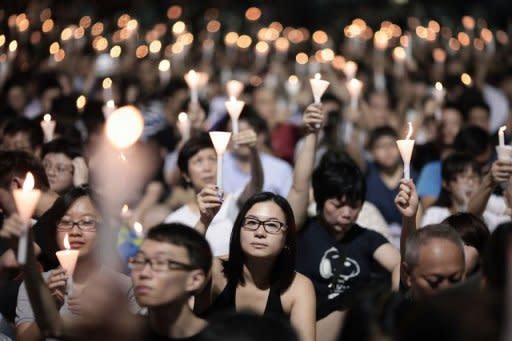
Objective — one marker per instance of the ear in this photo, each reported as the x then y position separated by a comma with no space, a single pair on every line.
186,178
16,183
195,281
406,272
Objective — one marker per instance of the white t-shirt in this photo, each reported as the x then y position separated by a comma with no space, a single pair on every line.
219,231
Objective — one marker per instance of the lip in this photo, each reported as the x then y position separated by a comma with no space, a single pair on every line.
142,289
76,245
259,245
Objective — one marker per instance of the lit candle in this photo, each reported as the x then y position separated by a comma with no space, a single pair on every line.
439,92
350,69
67,259
183,125
139,230
234,108
354,87
81,101
26,200
195,81
164,71
380,40
318,85
109,108
405,147
234,88
48,126
501,135
124,126
107,89
220,140
292,85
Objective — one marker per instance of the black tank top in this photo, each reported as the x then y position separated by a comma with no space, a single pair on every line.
225,302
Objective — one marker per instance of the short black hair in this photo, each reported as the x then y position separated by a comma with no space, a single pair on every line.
495,262
379,132
193,146
471,229
198,249
24,125
61,146
473,140
14,163
338,176
252,117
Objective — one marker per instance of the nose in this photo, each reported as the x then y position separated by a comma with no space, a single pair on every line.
145,272
344,212
260,232
445,284
75,230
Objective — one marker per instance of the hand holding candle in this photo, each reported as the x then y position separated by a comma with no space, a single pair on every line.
220,140
405,147
26,200
234,109
48,126
503,151
67,259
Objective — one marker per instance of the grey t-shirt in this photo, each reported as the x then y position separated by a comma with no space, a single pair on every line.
24,312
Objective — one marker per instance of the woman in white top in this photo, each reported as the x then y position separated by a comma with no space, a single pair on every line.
197,162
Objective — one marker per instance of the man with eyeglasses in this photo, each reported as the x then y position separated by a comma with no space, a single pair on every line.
171,266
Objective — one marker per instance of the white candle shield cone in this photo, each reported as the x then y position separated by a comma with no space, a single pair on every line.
405,147
234,108
124,126
67,258
318,86
504,153
220,140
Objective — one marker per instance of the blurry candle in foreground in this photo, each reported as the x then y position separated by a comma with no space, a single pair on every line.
501,135
124,126
195,81
26,200
405,147
139,230
67,259
503,151
292,86
48,126
234,108
220,140
350,69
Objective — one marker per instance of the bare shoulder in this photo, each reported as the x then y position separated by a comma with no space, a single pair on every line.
300,286
218,279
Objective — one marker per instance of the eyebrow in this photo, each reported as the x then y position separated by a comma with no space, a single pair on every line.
261,218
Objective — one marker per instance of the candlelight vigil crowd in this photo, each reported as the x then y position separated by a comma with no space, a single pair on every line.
210,174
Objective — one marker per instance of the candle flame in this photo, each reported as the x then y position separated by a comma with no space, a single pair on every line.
107,83
502,129
438,86
66,242
81,101
318,76
409,133
183,117
293,79
28,184
138,228
124,210
47,118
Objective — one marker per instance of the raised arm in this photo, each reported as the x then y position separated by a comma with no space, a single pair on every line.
247,139
407,203
209,201
298,197
500,172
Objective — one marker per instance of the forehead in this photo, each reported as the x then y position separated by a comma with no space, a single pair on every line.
440,256
266,210
209,151
153,248
82,205
56,157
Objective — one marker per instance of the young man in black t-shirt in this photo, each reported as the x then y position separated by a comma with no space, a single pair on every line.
340,257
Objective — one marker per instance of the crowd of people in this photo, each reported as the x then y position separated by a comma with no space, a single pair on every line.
307,229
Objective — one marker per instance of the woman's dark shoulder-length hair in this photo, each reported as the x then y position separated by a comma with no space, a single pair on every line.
45,230
283,271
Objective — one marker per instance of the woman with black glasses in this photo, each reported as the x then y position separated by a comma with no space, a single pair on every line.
73,215
258,275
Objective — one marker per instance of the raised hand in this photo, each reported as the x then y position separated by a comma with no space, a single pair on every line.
313,118
209,200
407,200
80,172
246,138
57,282
12,228
501,171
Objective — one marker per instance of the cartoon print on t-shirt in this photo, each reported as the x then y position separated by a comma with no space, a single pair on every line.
340,274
